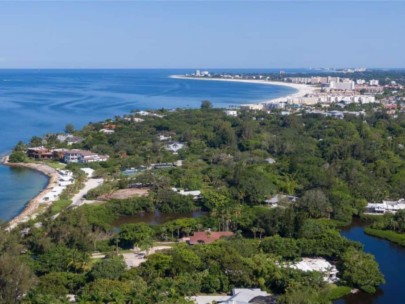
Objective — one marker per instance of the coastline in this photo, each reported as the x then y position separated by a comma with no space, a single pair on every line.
302,89
32,206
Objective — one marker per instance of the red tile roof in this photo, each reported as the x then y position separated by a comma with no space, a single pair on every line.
206,237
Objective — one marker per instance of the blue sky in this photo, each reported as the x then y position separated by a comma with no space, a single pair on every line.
198,34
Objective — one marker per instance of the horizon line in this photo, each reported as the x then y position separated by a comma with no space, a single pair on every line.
194,68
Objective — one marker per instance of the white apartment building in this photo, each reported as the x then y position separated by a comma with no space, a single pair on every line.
332,98
275,105
344,86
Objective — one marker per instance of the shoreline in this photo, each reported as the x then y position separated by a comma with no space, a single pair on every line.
32,205
302,89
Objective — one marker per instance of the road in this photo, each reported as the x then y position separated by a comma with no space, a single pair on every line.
91,183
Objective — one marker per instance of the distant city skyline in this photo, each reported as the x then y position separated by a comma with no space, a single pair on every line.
201,34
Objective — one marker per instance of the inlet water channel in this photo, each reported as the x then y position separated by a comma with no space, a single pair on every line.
390,257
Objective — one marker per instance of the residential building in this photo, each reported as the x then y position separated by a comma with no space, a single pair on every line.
163,137
278,199
107,131
346,85
233,113
174,146
238,296
40,152
386,206
374,82
195,193
253,107
83,156
320,265
275,105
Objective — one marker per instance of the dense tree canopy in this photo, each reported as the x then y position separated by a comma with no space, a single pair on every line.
324,171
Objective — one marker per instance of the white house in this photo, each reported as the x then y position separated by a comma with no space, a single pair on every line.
195,193
320,265
163,137
233,113
239,296
280,198
107,131
83,156
386,206
174,146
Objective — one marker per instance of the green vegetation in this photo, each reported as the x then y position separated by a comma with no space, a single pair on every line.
388,226
395,237
18,154
59,205
360,269
337,292
327,169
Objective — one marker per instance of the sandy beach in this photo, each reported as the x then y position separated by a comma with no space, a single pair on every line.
32,206
302,89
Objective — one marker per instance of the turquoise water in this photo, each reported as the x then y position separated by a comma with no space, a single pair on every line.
34,102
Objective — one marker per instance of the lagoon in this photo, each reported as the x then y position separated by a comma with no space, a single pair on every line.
390,258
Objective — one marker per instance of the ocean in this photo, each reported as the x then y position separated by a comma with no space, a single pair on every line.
35,102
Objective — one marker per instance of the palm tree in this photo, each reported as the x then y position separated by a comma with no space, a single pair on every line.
261,232
254,230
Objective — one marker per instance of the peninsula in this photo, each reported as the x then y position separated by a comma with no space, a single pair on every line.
270,192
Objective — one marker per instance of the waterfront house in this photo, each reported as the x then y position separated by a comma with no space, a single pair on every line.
40,153
321,265
83,156
386,207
